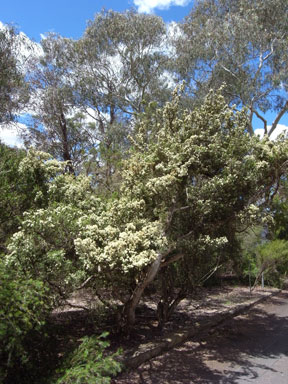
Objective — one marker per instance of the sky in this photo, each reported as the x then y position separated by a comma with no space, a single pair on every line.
69,18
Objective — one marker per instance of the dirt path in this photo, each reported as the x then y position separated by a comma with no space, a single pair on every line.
251,348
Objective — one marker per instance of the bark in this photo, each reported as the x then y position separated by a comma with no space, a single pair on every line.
66,153
167,306
261,118
278,118
130,306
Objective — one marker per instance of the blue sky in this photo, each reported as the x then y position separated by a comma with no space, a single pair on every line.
69,17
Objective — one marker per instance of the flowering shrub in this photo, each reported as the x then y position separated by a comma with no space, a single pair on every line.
193,180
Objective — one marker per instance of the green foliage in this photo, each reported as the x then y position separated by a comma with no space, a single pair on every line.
13,199
89,363
24,304
13,90
265,249
43,248
240,43
262,255
270,258
280,209
24,181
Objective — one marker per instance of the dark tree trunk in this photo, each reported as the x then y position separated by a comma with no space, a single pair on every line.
65,144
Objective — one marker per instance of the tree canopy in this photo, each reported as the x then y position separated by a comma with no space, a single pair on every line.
13,89
240,43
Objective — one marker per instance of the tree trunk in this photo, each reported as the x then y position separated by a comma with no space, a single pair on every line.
130,306
169,300
66,153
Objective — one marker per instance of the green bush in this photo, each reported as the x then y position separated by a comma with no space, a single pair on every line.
273,261
89,364
270,258
23,308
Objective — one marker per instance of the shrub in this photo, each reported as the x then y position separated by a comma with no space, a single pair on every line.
23,307
269,258
88,364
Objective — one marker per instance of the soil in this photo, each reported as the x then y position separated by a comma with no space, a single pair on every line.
67,325
251,347
203,304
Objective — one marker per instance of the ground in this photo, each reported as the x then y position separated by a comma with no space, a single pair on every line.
67,326
251,348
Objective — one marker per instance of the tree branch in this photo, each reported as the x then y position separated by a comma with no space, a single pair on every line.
171,260
228,70
152,271
276,121
83,285
210,273
261,118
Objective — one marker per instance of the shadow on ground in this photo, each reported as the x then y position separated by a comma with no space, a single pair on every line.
241,349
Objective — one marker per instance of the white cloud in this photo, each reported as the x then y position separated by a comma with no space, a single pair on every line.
147,6
9,134
279,129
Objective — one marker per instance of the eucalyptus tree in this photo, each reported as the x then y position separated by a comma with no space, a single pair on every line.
240,43
118,67
13,89
123,54
57,126
87,92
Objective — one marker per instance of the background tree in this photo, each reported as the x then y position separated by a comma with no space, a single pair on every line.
240,43
280,209
263,258
57,126
13,89
118,68
88,91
